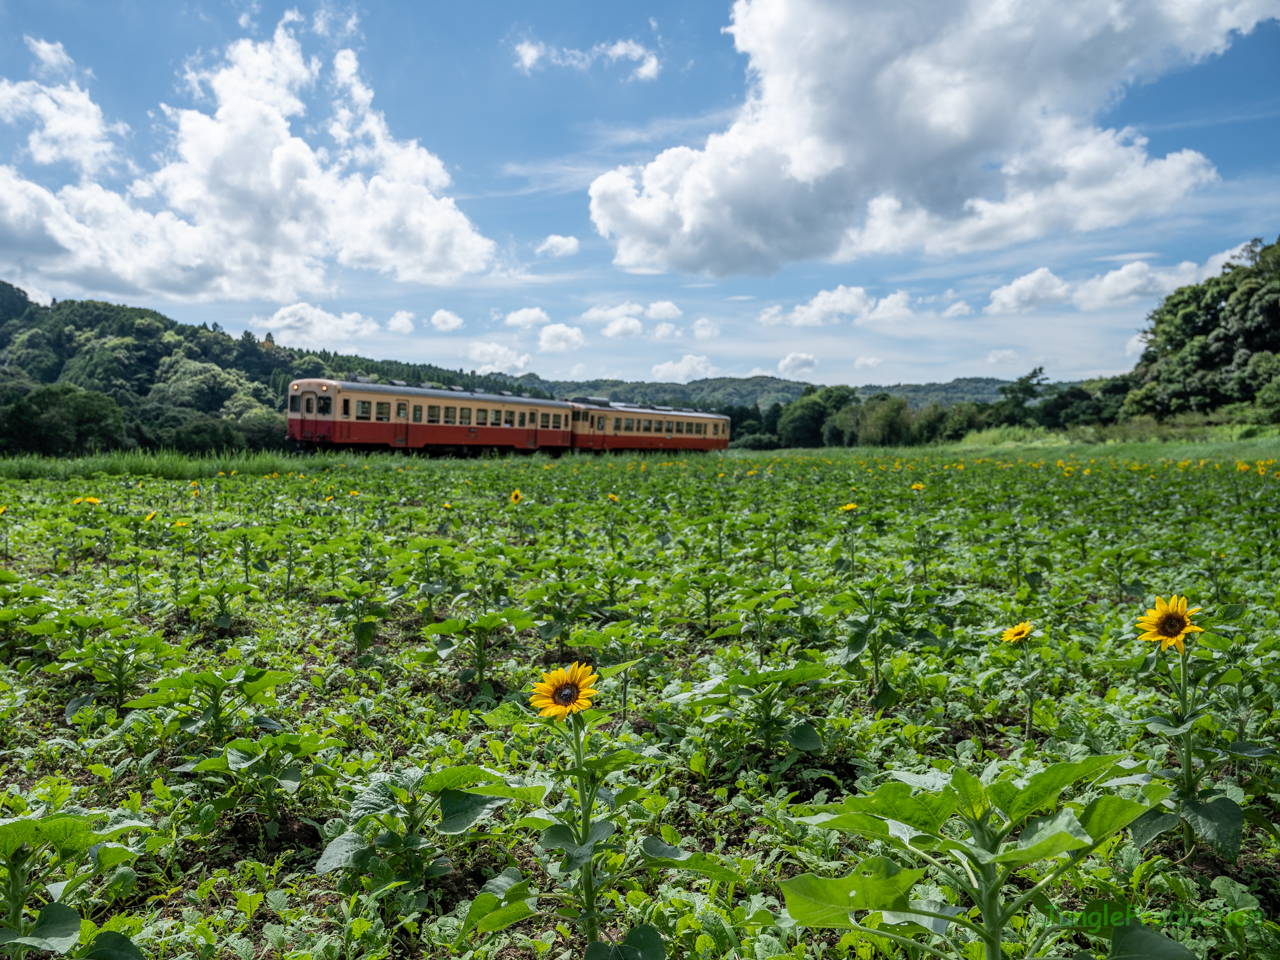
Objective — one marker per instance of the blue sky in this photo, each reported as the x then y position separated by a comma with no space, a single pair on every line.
843,193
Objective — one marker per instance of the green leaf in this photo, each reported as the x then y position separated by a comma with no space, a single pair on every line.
617,668
344,850
660,854
457,778
1150,825
934,925
617,760
877,883
506,714
58,926
1220,823
459,810
641,943
14,833
1136,942
1252,751
110,945
1107,814
804,737
973,799
1046,837
1042,789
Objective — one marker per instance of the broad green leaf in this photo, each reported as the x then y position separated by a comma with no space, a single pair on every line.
343,851
1107,814
1046,837
641,943
973,802
14,833
110,945
459,810
1136,942
934,925
457,778
1219,822
660,854
57,925
617,668
1043,788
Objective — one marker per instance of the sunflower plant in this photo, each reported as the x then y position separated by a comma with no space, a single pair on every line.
1020,635
1190,675
586,825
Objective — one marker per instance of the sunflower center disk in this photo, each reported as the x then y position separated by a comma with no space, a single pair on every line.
1171,626
565,694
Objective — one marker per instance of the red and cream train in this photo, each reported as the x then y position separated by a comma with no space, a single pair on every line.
455,420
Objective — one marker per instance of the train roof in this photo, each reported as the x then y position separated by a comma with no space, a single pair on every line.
460,393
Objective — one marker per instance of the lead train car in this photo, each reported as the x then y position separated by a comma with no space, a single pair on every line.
341,413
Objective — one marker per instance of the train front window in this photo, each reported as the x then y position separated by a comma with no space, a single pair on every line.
417,413
384,411
402,409
324,406
464,416
295,404
310,406
433,414
482,418
450,414
364,410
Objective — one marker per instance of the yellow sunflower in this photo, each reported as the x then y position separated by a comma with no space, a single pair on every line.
564,691
613,497
1169,623
1018,633
917,487
516,496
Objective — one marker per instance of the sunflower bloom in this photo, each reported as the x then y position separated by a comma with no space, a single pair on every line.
1018,633
613,497
848,507
917,487
516,496
1169,623
149,517
564,691
94,500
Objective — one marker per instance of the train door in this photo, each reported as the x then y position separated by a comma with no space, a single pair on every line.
531,430
310,424
400,430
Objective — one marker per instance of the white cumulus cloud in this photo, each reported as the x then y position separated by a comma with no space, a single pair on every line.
1002,356
689,367
958,309
603,314
496,358
558,246
306,325
1029,291
705,329
663,310
560,338
401,322
446,320
240,205
797,364
52,59
667,331
623,327
864,363
941,125
527,317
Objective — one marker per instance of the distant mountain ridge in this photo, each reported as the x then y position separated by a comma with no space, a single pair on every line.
763,391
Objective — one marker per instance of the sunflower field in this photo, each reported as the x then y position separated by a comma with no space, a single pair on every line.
841,706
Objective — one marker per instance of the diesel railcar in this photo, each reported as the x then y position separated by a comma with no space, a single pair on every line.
341,413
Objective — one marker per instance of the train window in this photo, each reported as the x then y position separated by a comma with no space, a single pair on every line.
600,423
310,406
482,418
346,406
324,406
509,418
648,426
617,424
295,404
576,416
383,411
679,426
715,429
546,421
433,413
555,421
402,409
629,425
364,410
464,416
522,416
417,413
450,414
670,427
